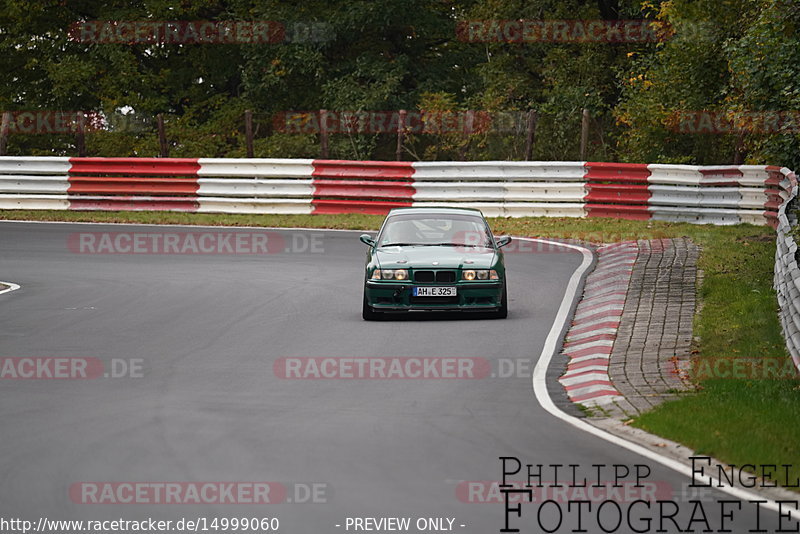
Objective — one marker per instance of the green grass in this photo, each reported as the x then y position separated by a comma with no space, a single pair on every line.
351,222
736,421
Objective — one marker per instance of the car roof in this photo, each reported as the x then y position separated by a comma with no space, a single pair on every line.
435,210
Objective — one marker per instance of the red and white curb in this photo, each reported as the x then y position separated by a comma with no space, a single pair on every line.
594,326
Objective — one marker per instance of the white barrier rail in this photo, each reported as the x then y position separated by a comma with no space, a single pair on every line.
527,171
15,183
787,273
34,165
286,206
255,188
499,191
255,168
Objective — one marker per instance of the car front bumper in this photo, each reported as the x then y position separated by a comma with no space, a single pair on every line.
394,296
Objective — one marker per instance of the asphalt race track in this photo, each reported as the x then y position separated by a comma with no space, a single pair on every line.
206,405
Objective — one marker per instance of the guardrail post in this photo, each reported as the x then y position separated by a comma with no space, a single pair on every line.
584,133
80,135
248,132
401,126
162,137
533,118
323,133
4,126
469,127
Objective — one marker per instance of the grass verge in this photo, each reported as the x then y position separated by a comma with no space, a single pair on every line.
755,421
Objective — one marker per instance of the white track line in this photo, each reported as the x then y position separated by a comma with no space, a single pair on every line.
11,287
539,384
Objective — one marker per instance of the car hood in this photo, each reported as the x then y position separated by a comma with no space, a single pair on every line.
448,257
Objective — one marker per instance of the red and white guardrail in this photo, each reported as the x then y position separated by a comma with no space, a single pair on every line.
755,194
715,194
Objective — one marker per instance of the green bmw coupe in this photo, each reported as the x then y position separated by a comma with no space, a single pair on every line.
434,259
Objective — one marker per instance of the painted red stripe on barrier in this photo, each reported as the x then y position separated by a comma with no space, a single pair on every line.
774,203
133,204
775,176
616,172
362,169
617,193
132,186
362,189
331,206
728,177
620,211
621,199
136,166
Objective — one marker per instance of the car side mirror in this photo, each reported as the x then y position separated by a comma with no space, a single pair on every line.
367,239
503,241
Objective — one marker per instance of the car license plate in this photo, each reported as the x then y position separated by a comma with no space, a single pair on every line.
435,291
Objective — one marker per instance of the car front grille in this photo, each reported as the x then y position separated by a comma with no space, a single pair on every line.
445,277
424,276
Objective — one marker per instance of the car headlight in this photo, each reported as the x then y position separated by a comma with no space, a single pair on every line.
479,274
390,274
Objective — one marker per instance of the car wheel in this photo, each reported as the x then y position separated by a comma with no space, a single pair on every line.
502,312
367,312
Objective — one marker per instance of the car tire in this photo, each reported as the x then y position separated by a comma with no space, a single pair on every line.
367,313
502,311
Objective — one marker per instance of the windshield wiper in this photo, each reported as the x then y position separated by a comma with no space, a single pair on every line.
402,245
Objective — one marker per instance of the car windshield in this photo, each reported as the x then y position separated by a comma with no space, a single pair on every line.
435,230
